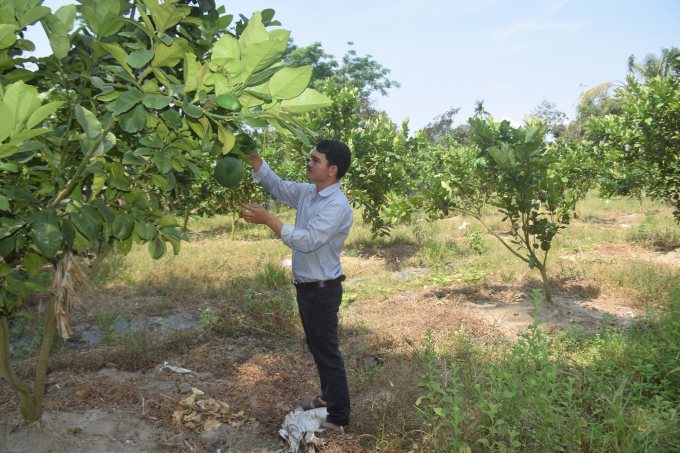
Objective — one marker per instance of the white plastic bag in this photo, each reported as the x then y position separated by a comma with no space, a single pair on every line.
300,425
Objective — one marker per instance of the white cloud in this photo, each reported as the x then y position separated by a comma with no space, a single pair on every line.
513,123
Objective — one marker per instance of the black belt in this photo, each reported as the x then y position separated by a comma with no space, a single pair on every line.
319,284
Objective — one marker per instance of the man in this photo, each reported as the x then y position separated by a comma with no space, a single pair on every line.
322,223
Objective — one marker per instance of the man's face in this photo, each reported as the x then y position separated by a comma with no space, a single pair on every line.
318,169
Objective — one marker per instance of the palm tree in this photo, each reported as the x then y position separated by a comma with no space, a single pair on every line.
480,112
666,65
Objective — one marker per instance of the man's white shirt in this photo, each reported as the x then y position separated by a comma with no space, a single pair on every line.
322,224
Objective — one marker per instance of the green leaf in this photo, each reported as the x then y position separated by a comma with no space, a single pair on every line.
85,219
167,55
123,226
308,101
157,248
80,243
290,82
192,110
126,101
46,233
6,121
140,201
119,54
146,231
139,58
159,181
7,35
227,101
33,15
254,33
166,15
151,140
22,101
225,48
108,216
26,134
66,15
168,220
7,245
156,102
9,167
261,55
255,122
88,121
32,263
176,246
508,394
163,161
35,287
125,246
130,159
105,146
8,150
532,262
16,287
41,113
193,167
4,203
68,231
58,37
18,194
133,121
227,138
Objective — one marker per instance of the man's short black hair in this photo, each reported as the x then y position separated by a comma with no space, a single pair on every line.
337,153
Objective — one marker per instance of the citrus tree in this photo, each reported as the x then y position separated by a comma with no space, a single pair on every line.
639,148
93,136
514,170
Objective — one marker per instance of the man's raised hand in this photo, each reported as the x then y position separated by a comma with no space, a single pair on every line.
254,213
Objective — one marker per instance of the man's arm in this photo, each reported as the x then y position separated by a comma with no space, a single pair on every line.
287,192
319,231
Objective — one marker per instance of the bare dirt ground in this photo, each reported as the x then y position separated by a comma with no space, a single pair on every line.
114,410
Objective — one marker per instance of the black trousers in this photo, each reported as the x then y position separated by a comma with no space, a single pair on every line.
319,315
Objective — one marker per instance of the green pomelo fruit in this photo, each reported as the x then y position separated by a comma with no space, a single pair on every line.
229,172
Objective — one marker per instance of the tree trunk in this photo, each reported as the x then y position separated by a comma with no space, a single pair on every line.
23,391
44,356
233,226
186,221
546,283
100,257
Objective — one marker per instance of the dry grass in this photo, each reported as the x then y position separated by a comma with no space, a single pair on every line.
256,352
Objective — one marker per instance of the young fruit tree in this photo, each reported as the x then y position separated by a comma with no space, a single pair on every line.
94,137
639,149
516,171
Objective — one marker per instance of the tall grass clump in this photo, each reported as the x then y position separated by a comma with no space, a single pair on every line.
611,392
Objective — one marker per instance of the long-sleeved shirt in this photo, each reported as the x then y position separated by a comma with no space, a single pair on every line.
322,223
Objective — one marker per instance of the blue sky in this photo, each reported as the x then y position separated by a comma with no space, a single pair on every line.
512,54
